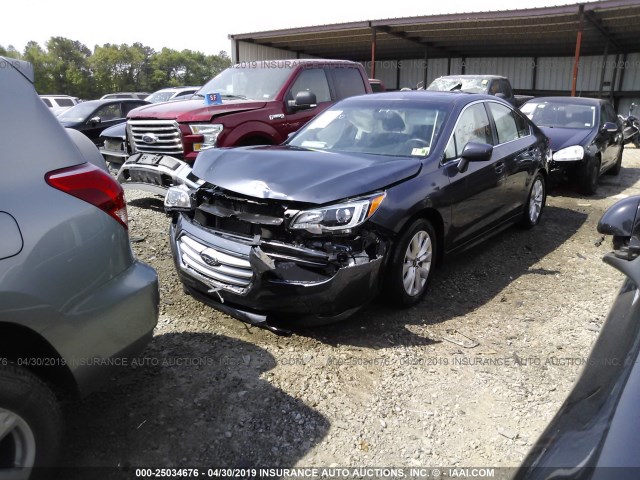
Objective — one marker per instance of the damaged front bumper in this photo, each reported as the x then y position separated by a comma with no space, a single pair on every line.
260,281
155,173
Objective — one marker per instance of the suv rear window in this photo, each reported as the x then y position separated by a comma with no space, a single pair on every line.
47,102
64,102
348,82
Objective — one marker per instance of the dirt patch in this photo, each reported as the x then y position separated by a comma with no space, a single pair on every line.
386,388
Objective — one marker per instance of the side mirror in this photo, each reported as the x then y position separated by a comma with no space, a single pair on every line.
610,127
622,222
474,152
95,120
304,101
632,107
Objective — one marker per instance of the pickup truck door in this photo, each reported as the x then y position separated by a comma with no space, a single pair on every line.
313,80
477,193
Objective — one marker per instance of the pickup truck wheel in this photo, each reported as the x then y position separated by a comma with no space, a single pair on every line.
615,170
412,264
30,420
535,203
589,175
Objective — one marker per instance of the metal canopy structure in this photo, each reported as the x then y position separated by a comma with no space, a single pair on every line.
547,31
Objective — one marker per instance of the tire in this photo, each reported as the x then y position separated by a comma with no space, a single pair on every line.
615,170
536,202
34,436
399,288
589,175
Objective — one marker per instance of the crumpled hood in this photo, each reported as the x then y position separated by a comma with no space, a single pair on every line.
565,137
288,173
192,110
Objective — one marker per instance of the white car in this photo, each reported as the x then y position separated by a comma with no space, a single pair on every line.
172,93
59,103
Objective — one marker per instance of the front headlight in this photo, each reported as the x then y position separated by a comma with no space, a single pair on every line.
342,216
209,131
569,154
178,198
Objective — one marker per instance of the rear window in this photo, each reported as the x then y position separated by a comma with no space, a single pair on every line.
65,102
348,82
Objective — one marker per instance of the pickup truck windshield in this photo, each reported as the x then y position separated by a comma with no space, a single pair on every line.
560,115
394,129
471,85
248,82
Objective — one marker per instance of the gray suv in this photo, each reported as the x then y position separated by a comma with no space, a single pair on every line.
74,302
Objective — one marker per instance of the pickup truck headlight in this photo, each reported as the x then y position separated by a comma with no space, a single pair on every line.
569,154
209,131
341,216
178,198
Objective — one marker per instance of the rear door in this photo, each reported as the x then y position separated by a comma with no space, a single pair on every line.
518,149
476,194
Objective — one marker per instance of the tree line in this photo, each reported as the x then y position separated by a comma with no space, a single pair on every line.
69,67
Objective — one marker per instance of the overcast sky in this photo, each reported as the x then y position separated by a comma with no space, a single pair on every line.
205,26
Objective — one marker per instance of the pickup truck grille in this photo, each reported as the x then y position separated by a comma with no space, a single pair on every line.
155,136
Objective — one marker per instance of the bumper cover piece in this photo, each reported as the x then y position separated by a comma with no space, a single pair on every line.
154,173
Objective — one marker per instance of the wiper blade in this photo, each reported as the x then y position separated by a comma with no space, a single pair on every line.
241,97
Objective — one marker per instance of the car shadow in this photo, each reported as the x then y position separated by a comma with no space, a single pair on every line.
193,399
462,284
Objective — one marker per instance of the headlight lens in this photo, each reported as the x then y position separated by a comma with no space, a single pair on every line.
569,154
342,216
209,131
177,198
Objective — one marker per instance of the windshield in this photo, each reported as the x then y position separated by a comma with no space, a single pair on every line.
562,115
394,129
159,97
248,82
77,113
471,85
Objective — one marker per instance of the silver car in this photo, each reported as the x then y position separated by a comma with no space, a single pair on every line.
74,302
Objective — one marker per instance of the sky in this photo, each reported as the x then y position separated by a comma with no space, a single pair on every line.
205,26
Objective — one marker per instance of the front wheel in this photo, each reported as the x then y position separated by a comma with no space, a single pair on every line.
589,176
412,263
535,203
615,170
30,420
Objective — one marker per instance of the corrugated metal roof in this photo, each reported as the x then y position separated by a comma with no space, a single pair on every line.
542,31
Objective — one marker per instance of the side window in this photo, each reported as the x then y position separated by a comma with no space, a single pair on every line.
64,102
473,126
109,112
611,114
127,107
47,102
524,129
348,82
312,80
505,122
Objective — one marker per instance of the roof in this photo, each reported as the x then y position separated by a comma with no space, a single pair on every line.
523,33
423,96
286,62
482,77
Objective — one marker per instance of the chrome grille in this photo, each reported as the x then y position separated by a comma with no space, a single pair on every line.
225,270
166,132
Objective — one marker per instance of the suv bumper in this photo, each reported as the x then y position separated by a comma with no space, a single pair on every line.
109,327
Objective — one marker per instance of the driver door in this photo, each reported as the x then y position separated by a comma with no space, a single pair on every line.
312,80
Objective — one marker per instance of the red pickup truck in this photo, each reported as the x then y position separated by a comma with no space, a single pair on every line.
252,103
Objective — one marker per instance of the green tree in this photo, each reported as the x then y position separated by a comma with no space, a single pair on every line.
68,67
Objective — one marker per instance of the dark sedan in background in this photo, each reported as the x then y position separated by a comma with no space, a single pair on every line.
585,135
368,196
92,117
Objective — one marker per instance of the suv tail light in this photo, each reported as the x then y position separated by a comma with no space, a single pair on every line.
87,182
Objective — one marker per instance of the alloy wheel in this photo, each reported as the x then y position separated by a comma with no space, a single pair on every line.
417,263
536,200
16,438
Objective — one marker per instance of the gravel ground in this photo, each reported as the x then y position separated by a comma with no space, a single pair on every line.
387,387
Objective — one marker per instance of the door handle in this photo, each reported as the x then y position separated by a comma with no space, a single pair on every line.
499,167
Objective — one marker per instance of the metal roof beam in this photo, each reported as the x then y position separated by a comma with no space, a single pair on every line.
595,21
403,35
